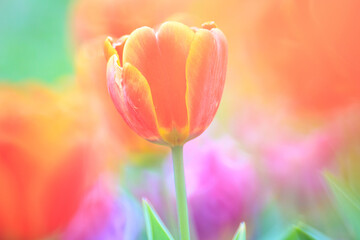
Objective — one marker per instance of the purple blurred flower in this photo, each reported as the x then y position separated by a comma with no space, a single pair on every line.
222,187
106,214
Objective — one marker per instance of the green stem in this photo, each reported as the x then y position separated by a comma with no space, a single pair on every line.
181,202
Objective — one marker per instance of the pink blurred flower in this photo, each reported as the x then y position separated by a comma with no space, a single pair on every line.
297,163
106,214
222,187
292,154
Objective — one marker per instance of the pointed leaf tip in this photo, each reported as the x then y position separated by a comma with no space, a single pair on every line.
303,232
155,228
241,232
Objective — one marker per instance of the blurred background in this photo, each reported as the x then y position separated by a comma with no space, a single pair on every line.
283,148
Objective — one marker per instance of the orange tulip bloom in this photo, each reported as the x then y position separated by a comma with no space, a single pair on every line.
167,85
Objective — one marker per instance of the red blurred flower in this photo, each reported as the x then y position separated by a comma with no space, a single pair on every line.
167,85
47,161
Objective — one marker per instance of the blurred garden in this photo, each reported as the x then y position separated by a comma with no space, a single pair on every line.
95,109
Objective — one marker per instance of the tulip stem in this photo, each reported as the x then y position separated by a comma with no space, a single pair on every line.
181,202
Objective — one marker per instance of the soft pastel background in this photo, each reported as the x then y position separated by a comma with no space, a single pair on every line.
283,148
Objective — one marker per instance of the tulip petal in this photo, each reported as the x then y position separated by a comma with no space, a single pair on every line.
161,59
131,95
174,42
141,51
205,75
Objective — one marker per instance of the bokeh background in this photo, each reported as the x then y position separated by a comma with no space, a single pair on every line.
283,148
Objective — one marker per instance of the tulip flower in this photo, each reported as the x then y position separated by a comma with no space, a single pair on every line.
47,162
167,85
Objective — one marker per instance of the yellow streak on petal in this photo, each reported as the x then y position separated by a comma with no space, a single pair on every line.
109,50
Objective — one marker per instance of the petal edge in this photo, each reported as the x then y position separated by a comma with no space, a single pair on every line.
205,76
131,95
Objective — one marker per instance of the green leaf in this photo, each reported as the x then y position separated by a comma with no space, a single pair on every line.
241,232
304,232
347,203
155,228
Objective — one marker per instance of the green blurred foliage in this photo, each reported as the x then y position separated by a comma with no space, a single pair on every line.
34,40
347,202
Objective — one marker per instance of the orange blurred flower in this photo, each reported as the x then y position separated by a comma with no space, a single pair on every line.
47,161
167,85
310,51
